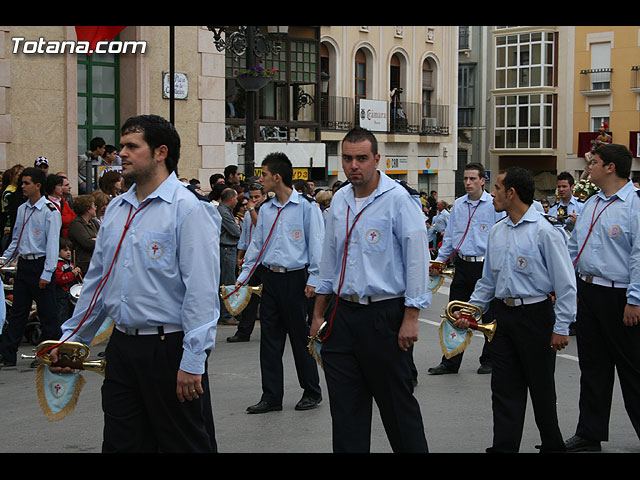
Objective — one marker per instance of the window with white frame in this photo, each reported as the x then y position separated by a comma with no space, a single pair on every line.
598,114
524,60
524,121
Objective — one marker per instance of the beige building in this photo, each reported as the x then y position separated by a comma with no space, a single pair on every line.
52,104
417,129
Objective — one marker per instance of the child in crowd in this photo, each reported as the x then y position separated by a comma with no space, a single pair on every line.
66,276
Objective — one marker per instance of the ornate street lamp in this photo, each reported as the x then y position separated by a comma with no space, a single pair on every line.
248,41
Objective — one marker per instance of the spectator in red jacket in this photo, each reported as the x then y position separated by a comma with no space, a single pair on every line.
54,193
66,276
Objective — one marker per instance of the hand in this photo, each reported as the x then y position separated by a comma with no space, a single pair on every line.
573,217
558,342
53,354
408,333
42,284
309,291
76,271
316,323
460,322
631,316
189,386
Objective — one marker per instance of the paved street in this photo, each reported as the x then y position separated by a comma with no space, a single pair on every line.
456,408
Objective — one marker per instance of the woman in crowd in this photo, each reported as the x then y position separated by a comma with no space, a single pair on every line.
54,193
83,231
111,183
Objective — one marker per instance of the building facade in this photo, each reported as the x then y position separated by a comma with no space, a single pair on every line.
399,82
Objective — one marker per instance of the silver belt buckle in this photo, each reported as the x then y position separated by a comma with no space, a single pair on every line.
512,302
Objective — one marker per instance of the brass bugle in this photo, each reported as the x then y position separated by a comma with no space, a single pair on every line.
443,268
70,354
473,314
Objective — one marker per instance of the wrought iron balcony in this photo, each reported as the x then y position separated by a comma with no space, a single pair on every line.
596,81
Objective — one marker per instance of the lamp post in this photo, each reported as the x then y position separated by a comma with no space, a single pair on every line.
248,41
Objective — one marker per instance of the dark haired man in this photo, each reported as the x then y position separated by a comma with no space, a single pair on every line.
247,320
568,207
379,272
526,260
156,267
287,238
229,236
465,243
35,245
605,250
85,161
232,175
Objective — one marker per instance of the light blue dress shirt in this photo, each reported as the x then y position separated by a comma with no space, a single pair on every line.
441,220
41,235
612,251
574,206
245,236
166,273
528,259
475,242
296,240
388,248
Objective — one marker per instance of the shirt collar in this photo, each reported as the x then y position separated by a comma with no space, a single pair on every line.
385,184
531,215
39,204
483,198
166,191
293,198
624,192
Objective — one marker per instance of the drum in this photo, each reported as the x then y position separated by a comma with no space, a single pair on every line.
74,292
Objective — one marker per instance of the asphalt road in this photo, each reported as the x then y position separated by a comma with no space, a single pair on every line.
456,408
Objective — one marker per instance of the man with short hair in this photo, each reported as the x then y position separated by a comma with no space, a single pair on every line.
35,245
229,236
85,161
568,207
287,240
465,243
232,176
155,268
375,264
605,250
248,316
526,260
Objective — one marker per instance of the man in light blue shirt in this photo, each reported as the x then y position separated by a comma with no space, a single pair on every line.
568,207
287,241
375,259
526,260
441,220
154,271
605,250
465,244
35,245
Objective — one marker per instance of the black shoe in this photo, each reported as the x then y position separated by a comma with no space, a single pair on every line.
263,407
307,403
440,370
484,369
236,338
6,363
577,444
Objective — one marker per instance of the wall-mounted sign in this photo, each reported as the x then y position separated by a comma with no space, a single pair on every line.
396,164
373,115
180,86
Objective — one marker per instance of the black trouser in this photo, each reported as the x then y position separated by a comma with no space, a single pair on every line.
25,291
141,409
461,288
247,319
283,311
362,361
605,345
523,362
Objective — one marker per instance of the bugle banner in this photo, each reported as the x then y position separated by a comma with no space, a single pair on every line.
58,393
453,340
237,298
436,280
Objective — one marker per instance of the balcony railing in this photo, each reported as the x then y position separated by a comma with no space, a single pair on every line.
596,81
340,113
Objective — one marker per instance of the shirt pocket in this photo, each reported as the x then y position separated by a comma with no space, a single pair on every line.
159,249
293,232
524,261
374,237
